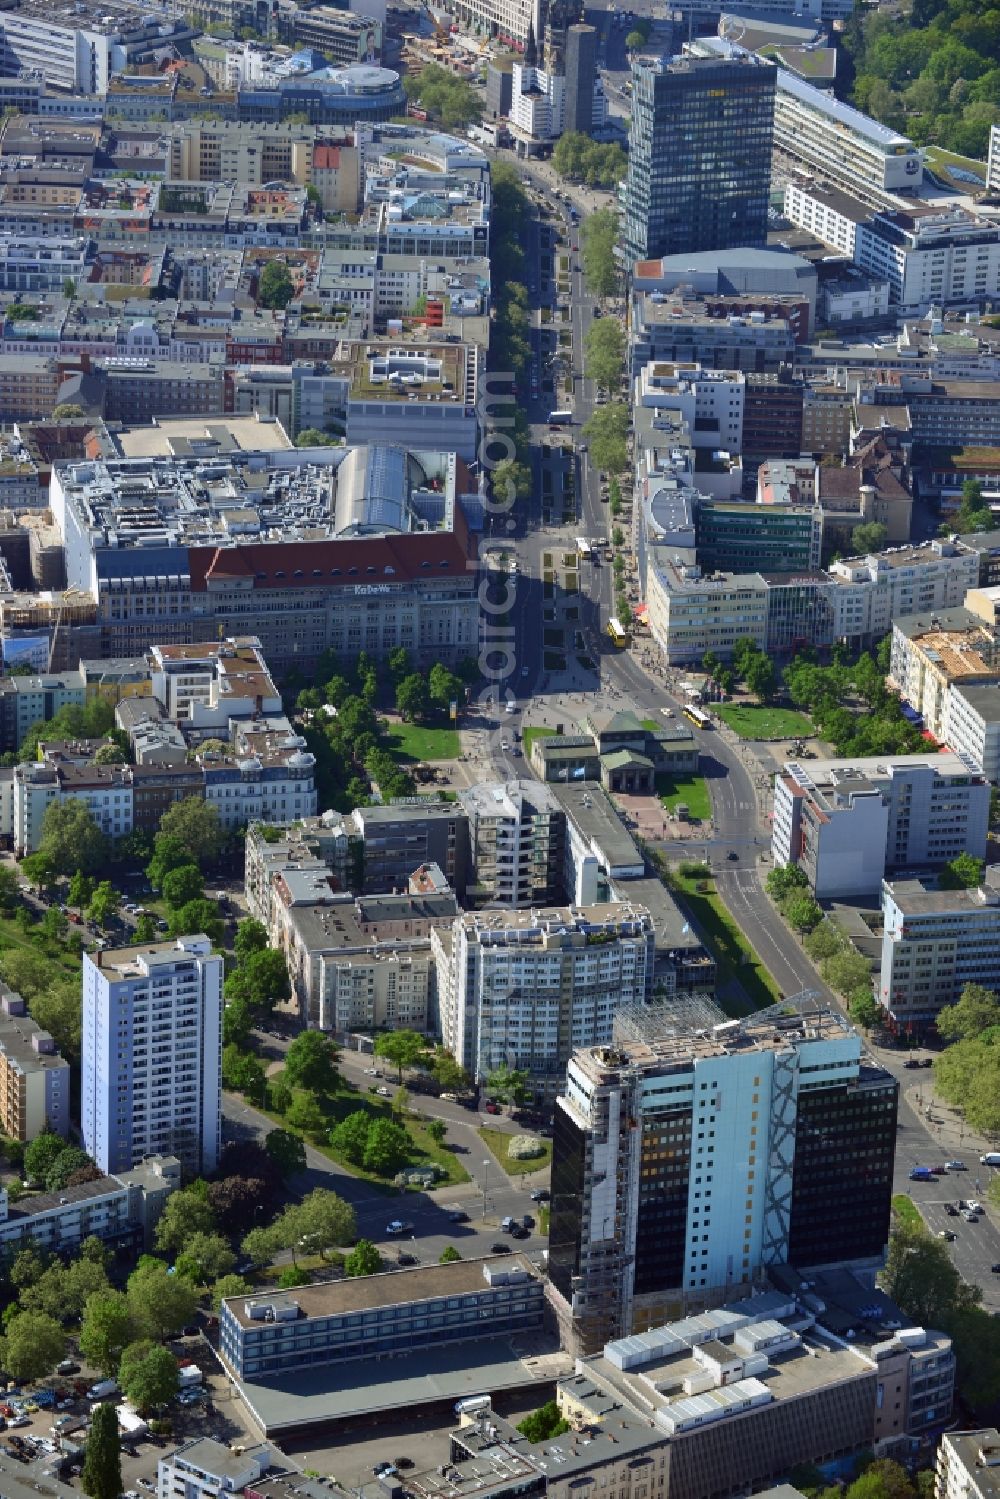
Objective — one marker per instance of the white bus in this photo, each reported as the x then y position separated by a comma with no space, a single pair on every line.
584,548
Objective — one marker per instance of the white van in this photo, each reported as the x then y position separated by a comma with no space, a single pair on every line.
991,1158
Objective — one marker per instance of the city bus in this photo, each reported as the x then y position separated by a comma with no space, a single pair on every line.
560,418
618,633
697,716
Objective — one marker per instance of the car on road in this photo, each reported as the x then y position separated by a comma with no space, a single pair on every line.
402,1462
499,1247
975,1207
373,1072
384,1092
921,1174
955,1166
951,1210
946,1233
540,1194
667,712
457,1215
970,1216
938,1170
911,1062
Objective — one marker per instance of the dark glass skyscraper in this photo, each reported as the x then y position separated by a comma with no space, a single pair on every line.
581,71
699,166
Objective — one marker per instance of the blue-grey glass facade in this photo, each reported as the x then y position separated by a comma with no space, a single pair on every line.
699,156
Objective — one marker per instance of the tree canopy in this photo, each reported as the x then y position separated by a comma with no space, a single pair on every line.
933,73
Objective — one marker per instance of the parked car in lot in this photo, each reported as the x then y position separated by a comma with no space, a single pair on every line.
951,1210
397,1226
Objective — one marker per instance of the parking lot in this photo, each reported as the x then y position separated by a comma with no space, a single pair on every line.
29,1437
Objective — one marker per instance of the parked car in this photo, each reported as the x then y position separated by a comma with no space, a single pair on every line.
946,1233
517,1232
911,1062
499,1247
384,1092
951,1210
67,1367
938,1170
397,1226
540,1194
406,1259
955,1166
492,1108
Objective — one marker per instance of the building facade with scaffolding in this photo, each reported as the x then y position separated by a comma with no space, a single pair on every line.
696,1151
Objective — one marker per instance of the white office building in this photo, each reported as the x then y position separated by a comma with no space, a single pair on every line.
872,591
845,822
934,942
526,988
206,1469
937,258
537,104
968,1462
831,215
972,725
152,1054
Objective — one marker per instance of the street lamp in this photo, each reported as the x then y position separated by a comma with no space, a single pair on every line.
486,1167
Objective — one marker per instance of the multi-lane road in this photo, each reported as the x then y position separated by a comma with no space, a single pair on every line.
729,768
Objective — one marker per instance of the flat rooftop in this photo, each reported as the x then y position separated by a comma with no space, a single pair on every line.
335,1298
689,1028
592,813
182,437
347,1393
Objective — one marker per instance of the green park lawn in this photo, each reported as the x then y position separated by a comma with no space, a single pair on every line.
498,1141
907,1212
417,741
693,792
753,721
735,958
347,1099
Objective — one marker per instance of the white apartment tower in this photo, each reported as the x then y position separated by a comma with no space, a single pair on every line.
527,988
152,1054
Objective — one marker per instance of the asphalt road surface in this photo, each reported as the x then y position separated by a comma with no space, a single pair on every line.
729,767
